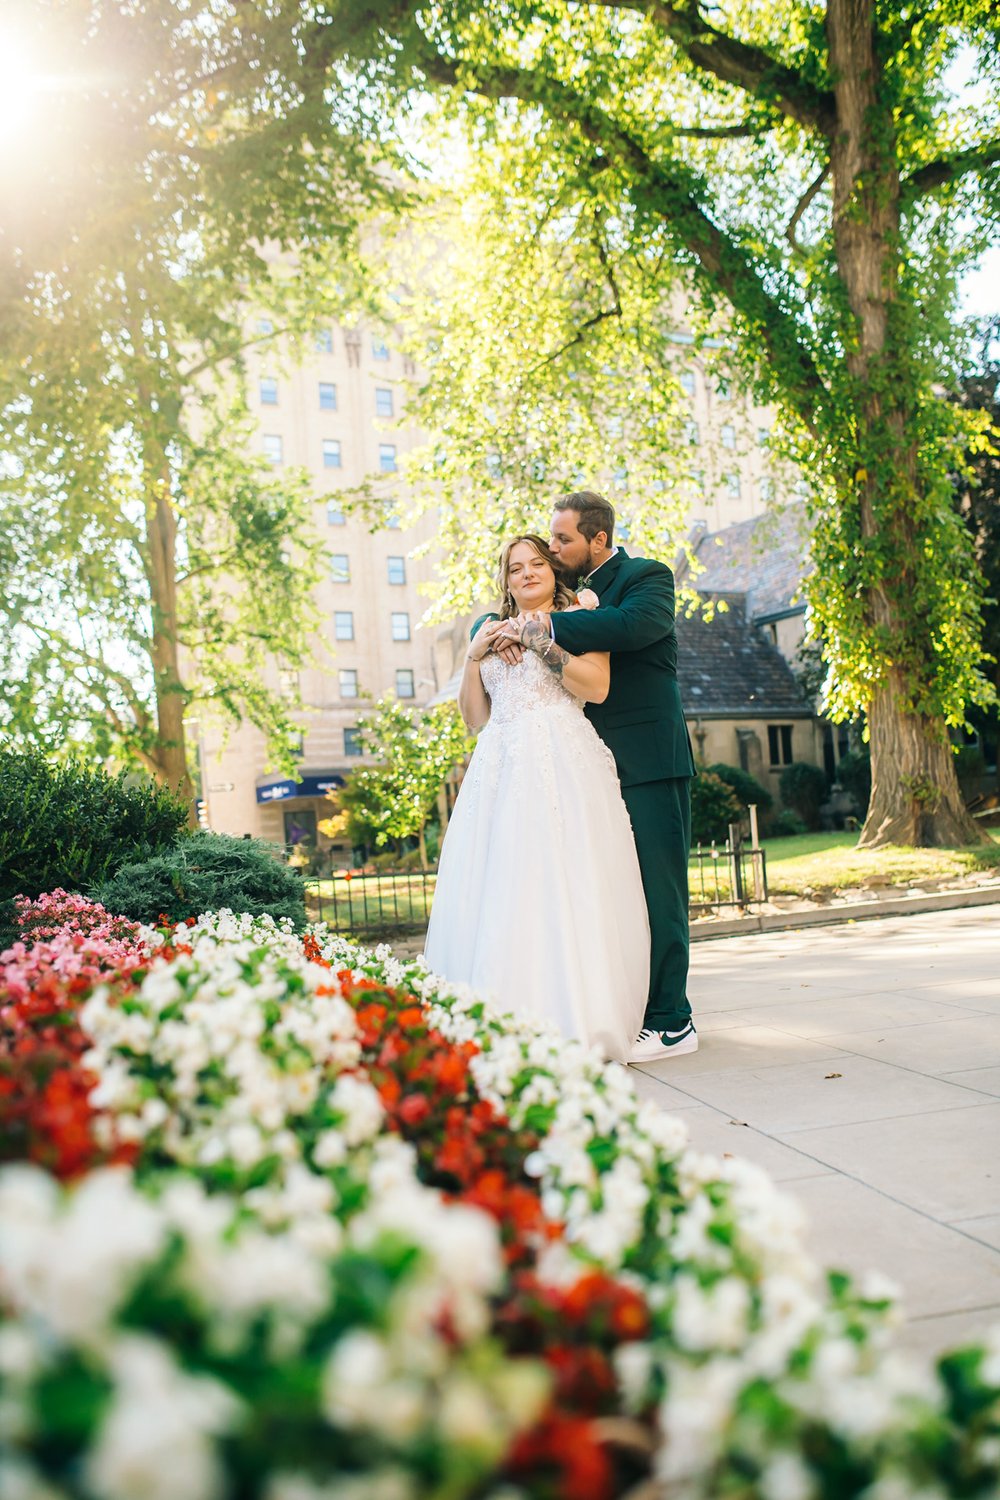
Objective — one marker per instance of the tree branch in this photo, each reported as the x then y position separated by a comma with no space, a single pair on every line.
672,188
802,205
749,128
947,169
747,67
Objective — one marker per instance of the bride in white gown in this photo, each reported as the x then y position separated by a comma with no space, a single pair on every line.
539,903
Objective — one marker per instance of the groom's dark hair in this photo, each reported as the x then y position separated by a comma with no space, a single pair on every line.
595,513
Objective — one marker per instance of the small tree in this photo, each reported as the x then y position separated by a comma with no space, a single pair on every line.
414,749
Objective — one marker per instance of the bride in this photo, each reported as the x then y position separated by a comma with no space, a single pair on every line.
539,903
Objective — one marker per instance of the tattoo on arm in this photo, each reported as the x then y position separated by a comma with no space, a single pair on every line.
535,636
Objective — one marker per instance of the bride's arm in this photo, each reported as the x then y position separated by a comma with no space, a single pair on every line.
473,699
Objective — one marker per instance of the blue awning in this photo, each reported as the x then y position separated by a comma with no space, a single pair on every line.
309,786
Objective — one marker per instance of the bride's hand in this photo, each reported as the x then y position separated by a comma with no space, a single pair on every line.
485,639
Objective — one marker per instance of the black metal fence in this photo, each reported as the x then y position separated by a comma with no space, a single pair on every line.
393,903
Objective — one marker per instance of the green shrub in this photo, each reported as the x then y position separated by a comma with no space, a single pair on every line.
785,824
747,788
803,789
970,768
854,772
714,805
205,872
70,825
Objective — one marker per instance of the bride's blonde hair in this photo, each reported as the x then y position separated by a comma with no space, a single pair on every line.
564,595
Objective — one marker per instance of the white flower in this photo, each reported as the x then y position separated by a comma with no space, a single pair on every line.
156,1440
466,1416
710,1318
359,1103
20,1480
694,1414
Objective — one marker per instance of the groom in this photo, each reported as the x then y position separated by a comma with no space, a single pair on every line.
642,723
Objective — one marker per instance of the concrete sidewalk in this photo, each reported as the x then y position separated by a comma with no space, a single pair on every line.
860,1065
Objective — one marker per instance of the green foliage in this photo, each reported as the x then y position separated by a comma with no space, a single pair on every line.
970,767
803,789
747,788
714,805
854,772
414,748
69,824
205,872
143,527
785,824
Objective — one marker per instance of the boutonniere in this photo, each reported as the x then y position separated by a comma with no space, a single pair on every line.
587,599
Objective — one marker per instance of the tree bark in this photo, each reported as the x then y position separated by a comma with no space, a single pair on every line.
170,753
915,794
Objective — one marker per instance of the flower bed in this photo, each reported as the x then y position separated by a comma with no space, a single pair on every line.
375,1242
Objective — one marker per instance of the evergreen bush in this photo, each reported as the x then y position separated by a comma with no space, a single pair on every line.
854,772
785,824
206,872
69,825
747,788
714,805
803,789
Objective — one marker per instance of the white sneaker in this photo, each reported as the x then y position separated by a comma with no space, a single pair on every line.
651,1046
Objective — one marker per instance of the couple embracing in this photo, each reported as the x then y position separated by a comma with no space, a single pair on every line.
562,889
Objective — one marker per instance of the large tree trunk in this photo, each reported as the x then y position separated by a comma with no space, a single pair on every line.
170,754
915,794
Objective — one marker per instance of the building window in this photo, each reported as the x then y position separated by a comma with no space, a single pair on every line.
331,453
400,625
723,389
763,434
389,516
297,743
387,457
384,405
404,683
343,625
380,349
348,682
352,742
687,382
274,448
265,326
334,515
691,432
340,567
288,682
733,486
779,744
324,340
268,391
494,465
727,435
327,396
767,488
397,569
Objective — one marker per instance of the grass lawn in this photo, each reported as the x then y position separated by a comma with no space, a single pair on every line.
830,861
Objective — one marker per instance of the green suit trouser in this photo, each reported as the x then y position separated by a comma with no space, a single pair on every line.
661,822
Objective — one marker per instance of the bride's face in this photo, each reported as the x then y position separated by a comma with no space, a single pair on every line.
530,578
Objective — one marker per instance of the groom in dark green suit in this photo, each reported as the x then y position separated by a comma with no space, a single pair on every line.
642,723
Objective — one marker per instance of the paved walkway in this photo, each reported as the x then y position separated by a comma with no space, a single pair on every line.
860,1065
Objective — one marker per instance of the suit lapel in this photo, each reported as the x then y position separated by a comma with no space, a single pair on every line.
605,576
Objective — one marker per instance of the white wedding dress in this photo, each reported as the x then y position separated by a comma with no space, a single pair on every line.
539,903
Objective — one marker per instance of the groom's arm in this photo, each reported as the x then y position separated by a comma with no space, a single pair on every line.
646,614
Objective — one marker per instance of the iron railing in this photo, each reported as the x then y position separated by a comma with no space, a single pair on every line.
389,903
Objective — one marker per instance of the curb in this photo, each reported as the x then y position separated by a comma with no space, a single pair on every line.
858,911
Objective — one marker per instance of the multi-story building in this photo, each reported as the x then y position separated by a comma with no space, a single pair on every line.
337,415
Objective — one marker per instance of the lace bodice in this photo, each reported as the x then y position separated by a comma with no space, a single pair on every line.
528,687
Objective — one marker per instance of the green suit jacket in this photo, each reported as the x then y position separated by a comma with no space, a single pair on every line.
641,720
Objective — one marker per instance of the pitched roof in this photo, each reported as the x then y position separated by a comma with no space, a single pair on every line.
728,668
765,558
